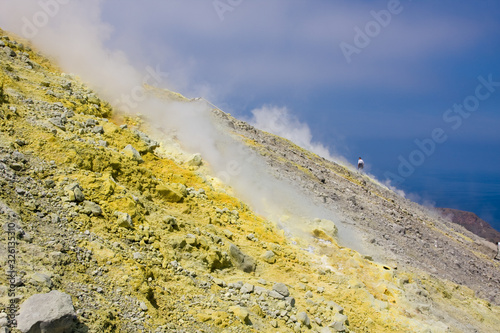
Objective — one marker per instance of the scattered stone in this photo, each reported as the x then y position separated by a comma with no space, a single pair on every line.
262,282
228,234
74,192
195,160
241,260
9,51
219,282
290,301
132,153
51,312
16,166
98,130
170,221
21,143
236,285
303,319
269,257
91,123
335,307
124,220
41,279
275,294
247,288
169,194
340,318
90,207
150,143
241,313
337,326
49,183
260,290
143,306
58,122
282,289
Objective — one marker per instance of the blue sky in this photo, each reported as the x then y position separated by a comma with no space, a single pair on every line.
367,78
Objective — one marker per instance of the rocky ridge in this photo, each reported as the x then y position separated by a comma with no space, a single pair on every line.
472,222
142,237
395,228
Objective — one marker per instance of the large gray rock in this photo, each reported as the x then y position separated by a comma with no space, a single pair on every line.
52,312
282,289
241,260
304,319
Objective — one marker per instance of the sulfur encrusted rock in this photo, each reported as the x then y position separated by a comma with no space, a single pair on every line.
132,153
169,194
269,257
74,192
124,220
195,160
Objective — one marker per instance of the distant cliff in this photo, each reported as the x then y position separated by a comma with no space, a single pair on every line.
473,223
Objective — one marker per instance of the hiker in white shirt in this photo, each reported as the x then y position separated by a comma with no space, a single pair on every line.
361,164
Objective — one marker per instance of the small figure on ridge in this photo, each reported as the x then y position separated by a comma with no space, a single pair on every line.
361,164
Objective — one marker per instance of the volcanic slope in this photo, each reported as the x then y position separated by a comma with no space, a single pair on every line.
143,237
394,228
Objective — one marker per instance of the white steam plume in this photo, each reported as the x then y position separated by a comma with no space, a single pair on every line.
279,121
75,36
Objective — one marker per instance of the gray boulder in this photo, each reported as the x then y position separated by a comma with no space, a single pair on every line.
90,207
304,319
241,260
282,289
52,312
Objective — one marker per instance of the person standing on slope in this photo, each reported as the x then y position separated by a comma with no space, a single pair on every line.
361,164
497,257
